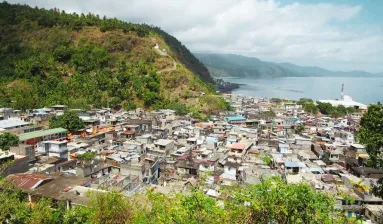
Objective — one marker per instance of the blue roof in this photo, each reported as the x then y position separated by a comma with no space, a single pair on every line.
211,139
294,164
235,118
294,119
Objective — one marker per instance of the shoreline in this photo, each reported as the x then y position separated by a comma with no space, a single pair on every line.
226,87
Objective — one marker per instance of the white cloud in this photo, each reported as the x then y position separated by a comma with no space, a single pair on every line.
306,34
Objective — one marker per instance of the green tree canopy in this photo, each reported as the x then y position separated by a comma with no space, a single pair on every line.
308,105
276,100
300,128
69,120
7,140
86,157
371,135
334,111
303,101
47,57
272,201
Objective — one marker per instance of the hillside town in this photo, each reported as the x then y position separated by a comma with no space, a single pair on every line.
134,151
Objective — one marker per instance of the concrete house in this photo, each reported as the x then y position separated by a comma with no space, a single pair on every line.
146,139
151,169
55,149
230,171
284,148
357,150
163,147
59,108
237,151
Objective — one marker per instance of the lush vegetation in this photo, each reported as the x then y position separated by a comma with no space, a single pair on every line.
325,108
272,201
308,105
371,135
52,57
275,100
7,140
86,157
338,111
69,120
299,129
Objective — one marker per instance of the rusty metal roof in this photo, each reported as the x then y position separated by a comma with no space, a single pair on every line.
28,181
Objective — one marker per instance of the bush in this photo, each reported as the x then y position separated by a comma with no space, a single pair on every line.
62,53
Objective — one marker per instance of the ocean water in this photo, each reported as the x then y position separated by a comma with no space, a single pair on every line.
365,90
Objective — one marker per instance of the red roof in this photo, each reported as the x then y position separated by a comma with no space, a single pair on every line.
28,181
238,146
203,161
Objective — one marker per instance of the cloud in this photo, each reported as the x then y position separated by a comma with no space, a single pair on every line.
308,34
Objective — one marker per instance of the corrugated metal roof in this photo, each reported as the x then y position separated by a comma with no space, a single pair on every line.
235,118
37,134
294,164
10,123
28,181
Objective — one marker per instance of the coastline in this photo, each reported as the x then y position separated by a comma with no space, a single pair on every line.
226,87
316,88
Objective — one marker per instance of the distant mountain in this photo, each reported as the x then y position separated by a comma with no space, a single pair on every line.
223,65
317,71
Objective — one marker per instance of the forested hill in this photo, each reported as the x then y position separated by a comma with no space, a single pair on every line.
52,57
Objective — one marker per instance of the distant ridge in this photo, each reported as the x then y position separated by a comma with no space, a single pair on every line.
224,65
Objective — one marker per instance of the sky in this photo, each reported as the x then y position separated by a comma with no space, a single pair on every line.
334,34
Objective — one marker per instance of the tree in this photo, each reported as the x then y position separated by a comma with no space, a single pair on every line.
13,208
69,120
7,140
78,215
303,101
267,159
274,201
271,201
276,100
371,135
62,53
86,157
325,108
310,108
301,128
110,208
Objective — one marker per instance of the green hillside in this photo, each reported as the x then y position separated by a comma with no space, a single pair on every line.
51,57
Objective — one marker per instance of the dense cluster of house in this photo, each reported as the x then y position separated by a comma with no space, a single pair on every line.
136,150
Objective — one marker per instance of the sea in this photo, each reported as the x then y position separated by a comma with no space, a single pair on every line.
366,90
